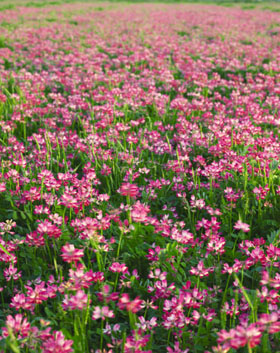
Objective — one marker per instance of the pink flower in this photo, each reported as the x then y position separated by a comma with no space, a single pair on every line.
250,335
57,344
69,201
197,203
200,270
48,228
261,192
241,336
71,254
147,324
117,267
219,349
18,325
11,273
270,322
158,274
139,212
133,306
38,294
19,301
130,190
242,226
78,301
102,313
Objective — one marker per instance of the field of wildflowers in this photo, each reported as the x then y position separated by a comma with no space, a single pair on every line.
139,179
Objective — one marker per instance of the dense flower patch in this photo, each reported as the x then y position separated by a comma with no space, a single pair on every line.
139,179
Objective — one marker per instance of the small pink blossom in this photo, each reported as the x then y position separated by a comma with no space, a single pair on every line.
71,254
130,190
117,267
102,313
57,344
139,212
242,226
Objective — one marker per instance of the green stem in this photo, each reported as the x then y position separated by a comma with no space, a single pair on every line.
225,291
119,245
101,338
246,297
249,348
116,282
168,337
123,341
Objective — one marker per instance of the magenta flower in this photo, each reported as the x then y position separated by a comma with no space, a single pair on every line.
102,313
139,212
130,305
11,273
20,301
270,322
49,229
130,190
18,325
117,267
147,324
242,226
200,270
38,294
241,336
78,301
57,344
71,254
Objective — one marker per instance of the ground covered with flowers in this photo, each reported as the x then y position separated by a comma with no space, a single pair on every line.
139,179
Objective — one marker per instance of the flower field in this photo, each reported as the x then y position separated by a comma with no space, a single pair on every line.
139,179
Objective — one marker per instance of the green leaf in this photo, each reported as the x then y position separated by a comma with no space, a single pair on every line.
5,251
66,333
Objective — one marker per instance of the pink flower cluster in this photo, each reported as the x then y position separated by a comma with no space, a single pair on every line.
139,178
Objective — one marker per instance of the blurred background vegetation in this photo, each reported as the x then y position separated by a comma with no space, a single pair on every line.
264,5
10,4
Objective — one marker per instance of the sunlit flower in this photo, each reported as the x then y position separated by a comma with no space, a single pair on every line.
242,226
102,313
